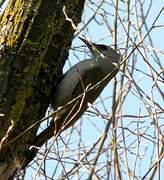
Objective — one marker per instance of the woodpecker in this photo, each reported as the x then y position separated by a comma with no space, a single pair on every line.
81,79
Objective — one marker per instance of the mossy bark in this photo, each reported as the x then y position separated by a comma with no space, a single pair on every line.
34,42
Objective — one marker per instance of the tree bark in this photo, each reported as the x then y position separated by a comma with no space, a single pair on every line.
34,43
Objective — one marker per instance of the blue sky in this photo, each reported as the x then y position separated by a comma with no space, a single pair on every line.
132,105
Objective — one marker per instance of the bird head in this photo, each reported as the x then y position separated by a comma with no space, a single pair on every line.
102,51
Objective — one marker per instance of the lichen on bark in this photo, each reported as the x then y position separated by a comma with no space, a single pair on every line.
34,44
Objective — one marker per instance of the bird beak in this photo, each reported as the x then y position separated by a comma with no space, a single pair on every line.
92,47
88,43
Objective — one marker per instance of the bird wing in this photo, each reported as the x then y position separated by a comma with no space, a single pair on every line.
68,84
86,72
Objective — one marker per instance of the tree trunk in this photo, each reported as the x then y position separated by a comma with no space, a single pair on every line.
35,39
